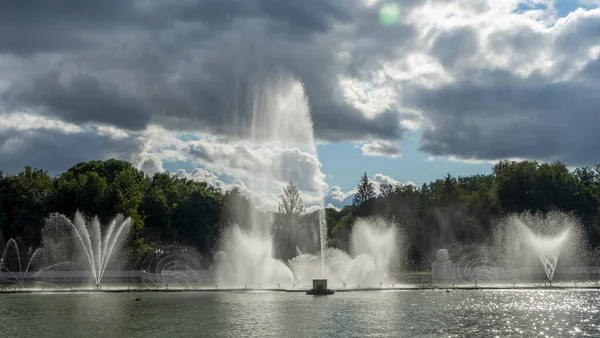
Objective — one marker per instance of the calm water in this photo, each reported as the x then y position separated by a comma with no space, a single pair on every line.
550,313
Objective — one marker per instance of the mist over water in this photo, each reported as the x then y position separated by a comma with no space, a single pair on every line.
376,249
247,260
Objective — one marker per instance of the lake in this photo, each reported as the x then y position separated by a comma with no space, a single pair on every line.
480,313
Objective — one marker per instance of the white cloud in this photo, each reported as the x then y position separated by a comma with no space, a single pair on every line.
150,164
466,73
381,148
27,122
338,198
331,206
589,2
265,165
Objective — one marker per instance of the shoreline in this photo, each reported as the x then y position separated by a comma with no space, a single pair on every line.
242,290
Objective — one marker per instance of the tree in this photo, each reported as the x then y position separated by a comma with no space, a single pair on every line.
288,232
291,205
386,190
237,209
365,191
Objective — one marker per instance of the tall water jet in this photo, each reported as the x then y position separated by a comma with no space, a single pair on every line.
96,249
273,117
281,115
547,239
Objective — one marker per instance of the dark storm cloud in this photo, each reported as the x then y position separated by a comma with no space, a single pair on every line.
55,151
190,65
495,115
30,26
456,45
82,99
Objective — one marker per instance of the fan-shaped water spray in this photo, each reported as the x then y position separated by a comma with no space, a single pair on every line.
547,239
97,249
548,249
20,273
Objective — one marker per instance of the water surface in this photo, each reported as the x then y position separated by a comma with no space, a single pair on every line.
486,313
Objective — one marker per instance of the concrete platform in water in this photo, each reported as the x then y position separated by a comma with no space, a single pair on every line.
320,292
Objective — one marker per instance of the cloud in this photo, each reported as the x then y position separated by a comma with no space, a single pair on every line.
202,175
54,146
331,206
150,164
338,198
381,148
265,165
210,66
522,89
480,80
334,198
384,179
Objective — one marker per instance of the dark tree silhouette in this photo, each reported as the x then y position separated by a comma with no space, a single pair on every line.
365,192
291,204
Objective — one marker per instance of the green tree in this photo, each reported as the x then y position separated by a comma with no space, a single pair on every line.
365,191
237,209
289,231
386,190
291,204
25,199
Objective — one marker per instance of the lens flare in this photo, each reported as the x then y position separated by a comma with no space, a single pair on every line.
389,13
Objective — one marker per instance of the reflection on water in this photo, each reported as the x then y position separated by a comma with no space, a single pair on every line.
552,313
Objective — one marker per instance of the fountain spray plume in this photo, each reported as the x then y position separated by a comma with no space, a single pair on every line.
247,259
547,239
279,124
376,246
376,250
21,274
281,114
96,249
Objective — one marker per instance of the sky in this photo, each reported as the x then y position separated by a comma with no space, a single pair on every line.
256,93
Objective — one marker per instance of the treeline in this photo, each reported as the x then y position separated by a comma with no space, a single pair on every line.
168,209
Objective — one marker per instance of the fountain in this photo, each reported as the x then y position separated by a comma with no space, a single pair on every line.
375,249
21,276
307,267
247,259
442,268
279,122
96,249
548,239
171,266
320,288
474,269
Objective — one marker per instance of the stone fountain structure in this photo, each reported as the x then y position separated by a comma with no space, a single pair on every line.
442,269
